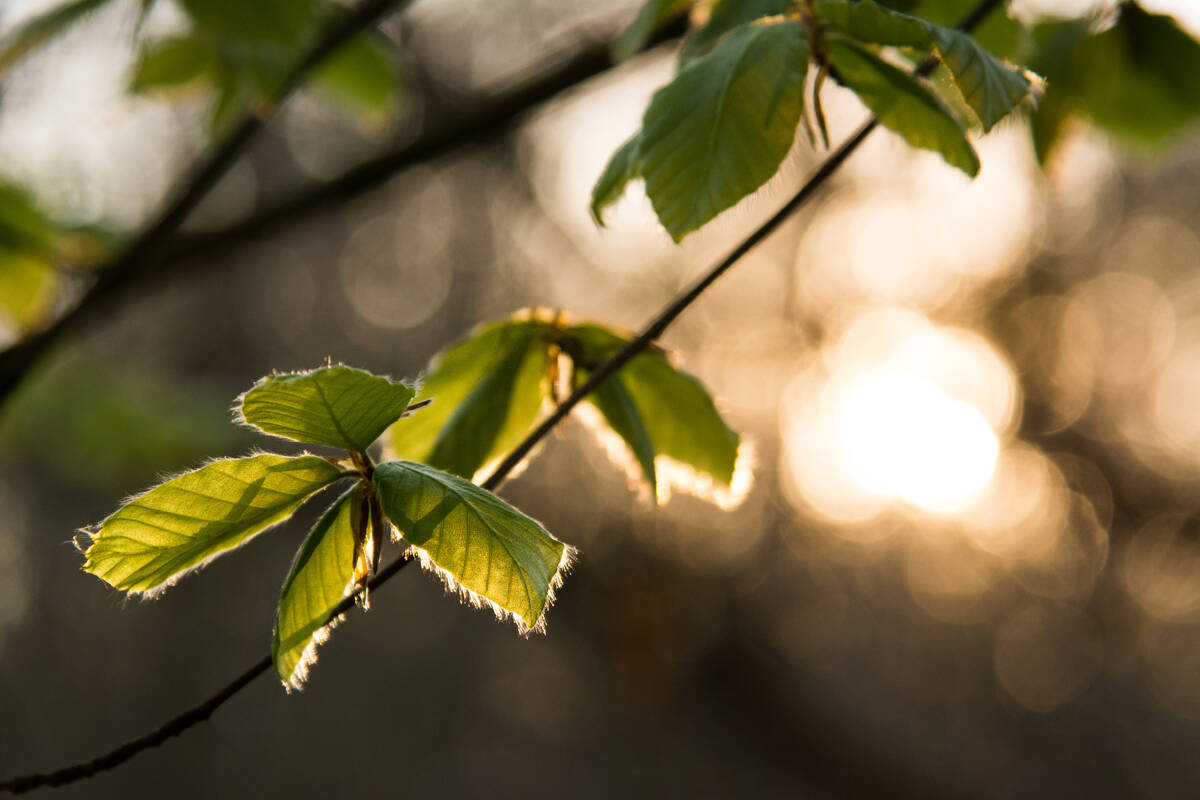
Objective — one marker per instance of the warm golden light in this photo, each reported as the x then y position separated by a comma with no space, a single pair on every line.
901,436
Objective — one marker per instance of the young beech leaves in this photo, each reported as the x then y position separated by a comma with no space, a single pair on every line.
487,392
321,576
661,413
722,127
904,104
482,547
154,538
337,406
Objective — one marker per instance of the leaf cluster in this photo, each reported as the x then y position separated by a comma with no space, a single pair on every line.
481,399
483,547
721,128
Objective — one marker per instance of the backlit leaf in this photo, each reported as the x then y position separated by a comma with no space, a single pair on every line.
321,576
721,128
481,546
487,393
989,86
904,104
672,408
156,537
336,406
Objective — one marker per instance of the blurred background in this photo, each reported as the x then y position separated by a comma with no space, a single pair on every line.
968,564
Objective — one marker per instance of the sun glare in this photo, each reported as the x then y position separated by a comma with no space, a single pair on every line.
901,436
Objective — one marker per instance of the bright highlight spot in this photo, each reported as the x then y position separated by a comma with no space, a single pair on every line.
901,436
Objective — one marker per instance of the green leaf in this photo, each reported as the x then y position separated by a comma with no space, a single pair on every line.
725,16
618,409
156,537
336,406
40,29
321,576
721,128
989,86
868,22
621,169
285,23
652,16
674,410
174,62
903,104
481,546
1136,79
362,76
487,393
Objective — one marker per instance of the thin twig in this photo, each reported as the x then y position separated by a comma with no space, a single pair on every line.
146,252
651,332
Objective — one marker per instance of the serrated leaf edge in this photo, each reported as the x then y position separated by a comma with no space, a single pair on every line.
475,600
88,532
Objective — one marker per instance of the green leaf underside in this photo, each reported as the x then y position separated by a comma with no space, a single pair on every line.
156,537
721,128
38,30
336,406
487,392
904,104
673,408
725,16
989,86
478,542
620,170
652,15
321,576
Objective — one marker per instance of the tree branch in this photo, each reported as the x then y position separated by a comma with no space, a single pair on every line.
146,252
653,330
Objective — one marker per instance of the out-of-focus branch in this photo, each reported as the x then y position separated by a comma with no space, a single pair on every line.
147,251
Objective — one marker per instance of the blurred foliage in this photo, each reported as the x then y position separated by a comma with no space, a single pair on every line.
110,426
